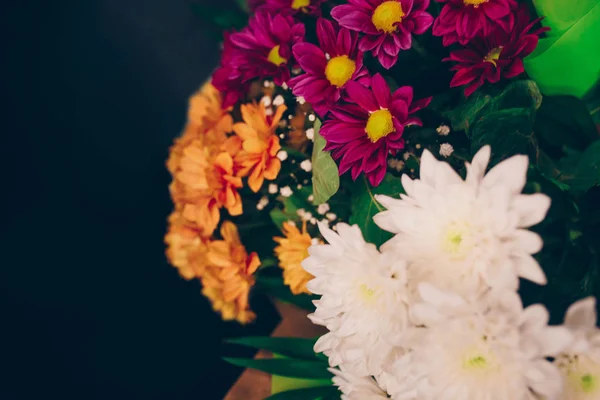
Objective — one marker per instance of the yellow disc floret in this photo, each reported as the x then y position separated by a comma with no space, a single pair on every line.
275,57
298,4
339,70
474,3
379,125
387,15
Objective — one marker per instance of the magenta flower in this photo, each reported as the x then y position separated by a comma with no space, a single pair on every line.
227,78
294,7
264,48
499,55
462,20
388,26
254,4
362,135
328,67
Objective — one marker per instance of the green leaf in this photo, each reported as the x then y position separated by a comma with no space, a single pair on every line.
316,393
565,121
296,348
325,179
293,152
285,367
508,132
518,94
275,287
364,207
582,172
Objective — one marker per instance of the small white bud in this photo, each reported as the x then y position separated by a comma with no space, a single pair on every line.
446,149
443,130
311,197
285,86
278,100
301,100
306,165
313,221
301,212
331,216
273,188
314,241
310,134
323,208
282,155
312,117
286,191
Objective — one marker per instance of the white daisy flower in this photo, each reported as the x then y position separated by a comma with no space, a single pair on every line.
363,299
467,235
492,349
580,363
356,387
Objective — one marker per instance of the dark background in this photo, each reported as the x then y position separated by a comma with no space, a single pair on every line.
94,93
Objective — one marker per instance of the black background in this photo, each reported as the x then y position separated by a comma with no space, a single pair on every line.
94,93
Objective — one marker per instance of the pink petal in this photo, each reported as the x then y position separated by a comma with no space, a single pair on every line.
381,90
361,96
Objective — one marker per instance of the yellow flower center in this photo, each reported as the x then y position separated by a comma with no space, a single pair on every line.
588,383
339,70
379,125
493,55
457,240
275,57
387,15
478,362
298,4
475,3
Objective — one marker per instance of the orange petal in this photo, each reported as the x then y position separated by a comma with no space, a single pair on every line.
256,179
254,145
253,263
236,207
273,168
230,232
244,131
224,161
278,114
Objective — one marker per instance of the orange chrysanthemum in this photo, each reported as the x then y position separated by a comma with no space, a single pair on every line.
203,169
258,157
229,275
205,110
291,251
186,248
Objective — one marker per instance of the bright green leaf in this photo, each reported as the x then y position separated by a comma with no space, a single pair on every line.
508,132
285,367
364,207
325,179
297,348
275,287
316,393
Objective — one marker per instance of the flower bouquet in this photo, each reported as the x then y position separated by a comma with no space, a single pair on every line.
413,174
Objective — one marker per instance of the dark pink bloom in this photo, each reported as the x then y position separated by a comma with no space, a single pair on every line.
328,67
227,78
499,55
462,20
264,48
387,25
254,4
312,7
362,135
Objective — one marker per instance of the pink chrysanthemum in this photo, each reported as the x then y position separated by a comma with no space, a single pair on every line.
362,135
312,7
329,67
499,55
462,20
227,78
388,25
261,50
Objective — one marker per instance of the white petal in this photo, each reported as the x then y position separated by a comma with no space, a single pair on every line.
428,168
544,378
476,169
528,268
527,241
553,340
438,298
407,184
330,236
511,173
582,314
534,317
532,208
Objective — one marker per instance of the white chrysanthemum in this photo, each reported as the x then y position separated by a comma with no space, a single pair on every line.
492,349
466,235
363,299
580,363
355,387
